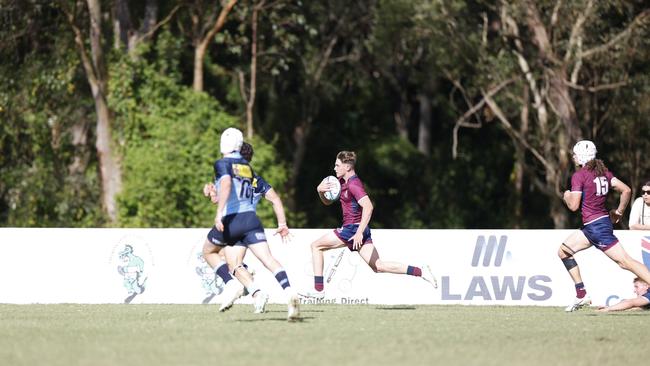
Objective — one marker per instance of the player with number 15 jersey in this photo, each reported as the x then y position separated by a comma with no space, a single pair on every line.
594,189
590,185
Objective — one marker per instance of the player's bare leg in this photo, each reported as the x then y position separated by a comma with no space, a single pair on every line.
260,298
212,254
324,243
371,256
235,256
576,242
236,259
263,253
232,290
618,254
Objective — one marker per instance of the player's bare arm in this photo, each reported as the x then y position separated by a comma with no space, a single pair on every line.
626,194
278,208
209,190
626,304
323,187
640,227
225,184
572,199
367,208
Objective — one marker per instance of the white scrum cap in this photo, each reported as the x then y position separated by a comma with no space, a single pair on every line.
231,140
584,151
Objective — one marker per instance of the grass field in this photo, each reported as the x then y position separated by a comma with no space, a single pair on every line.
328,335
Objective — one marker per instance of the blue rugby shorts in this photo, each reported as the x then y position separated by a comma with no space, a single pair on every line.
241,229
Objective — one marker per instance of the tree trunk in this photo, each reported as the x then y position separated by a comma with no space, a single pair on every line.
108,163
98,79
79,132
121,23
562,104
520,161
558,94
148,23
97,76
202,41
250,102
559,214
300,137
199,54
402,117
557,210
424,131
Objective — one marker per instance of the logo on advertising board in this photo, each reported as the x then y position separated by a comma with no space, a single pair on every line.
211,283
131,257
493,282
645,250
491,252
338,277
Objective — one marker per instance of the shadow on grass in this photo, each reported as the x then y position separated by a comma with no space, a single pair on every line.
621,313
397,307
301,310
300,320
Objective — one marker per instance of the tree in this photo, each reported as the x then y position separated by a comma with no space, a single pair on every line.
130,35
401,48
337,30
45,125
96,73
547,56
171,136
206,21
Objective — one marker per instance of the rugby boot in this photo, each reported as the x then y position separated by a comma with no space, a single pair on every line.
578,304
428,276
231,292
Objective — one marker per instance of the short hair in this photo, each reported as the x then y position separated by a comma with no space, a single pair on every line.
246,151
638,279
646,184
347,157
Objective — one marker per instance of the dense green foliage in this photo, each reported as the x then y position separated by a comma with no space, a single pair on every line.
170,135
392,80
48,175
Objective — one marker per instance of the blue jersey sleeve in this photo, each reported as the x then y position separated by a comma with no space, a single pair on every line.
261,186
222,168
241,193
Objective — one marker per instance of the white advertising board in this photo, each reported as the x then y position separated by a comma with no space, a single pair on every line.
473,267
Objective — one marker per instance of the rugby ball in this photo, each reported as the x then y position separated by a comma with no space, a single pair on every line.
334,193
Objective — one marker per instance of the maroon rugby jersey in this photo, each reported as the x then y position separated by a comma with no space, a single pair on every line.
594,192
351,192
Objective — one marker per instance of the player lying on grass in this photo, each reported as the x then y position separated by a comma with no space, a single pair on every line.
640,302
355,232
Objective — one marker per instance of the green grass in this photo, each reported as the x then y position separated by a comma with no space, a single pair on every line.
328,335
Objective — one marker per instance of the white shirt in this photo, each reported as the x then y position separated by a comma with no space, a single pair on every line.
640,213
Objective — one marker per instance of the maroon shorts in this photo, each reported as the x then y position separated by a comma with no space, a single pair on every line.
346,232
